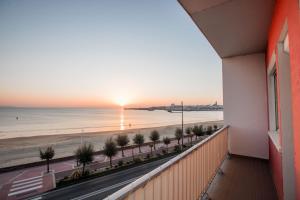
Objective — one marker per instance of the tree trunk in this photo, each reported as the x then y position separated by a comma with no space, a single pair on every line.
122,152
83,166
154,145
132,153
48,166
167,149
178,141
110,162
151,151
140,149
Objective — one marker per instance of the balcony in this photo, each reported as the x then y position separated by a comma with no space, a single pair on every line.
204,171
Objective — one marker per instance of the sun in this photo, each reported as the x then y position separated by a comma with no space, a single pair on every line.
121,101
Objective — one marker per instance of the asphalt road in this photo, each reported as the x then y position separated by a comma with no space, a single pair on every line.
101,187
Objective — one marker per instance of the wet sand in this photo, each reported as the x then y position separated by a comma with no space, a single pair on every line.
15,151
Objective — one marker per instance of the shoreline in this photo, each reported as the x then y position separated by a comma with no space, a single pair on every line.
108,132
22,150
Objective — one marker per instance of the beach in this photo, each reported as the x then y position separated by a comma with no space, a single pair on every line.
21,150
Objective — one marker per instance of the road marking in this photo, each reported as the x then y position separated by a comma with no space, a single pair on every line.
104,189
27,179
36,198
23,191
24,183
24,186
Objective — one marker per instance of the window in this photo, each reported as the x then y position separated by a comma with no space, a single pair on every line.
273,103
273,95
286,47
275,87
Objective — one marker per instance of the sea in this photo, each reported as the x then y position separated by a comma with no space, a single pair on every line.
26,122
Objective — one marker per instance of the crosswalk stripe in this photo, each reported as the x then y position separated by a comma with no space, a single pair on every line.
23,191
24,183
27,179
25,186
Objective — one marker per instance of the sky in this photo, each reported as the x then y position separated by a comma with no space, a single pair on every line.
100,53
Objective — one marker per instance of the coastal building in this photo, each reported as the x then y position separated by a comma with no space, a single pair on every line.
259,44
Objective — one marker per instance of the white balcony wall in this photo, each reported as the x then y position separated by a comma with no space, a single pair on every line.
245,104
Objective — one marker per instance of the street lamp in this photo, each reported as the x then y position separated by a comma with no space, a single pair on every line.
182,124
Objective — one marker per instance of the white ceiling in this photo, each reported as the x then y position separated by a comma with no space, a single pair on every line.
233,27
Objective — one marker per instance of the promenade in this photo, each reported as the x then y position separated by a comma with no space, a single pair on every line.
27,182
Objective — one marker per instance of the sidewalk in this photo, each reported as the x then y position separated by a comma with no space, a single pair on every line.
20,184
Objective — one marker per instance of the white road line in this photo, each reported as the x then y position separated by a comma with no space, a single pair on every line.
23,191
104,189
105,159
36,198
27,179
24,183
25,186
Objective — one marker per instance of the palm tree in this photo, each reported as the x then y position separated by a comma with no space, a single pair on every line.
195,130
199,131
47,155
189,133
178,134
154,136
151,146
85,155
209,130
110,149
122,141
139,140
215,127
166,141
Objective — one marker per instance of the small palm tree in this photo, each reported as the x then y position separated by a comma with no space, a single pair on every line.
199,131
122,141
167,141
154,137
209,130
178,134
47,155
139,140
110,149
85,155
215,127
195,130
151,146
189,133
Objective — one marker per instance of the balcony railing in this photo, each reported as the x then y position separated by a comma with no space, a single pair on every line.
186,176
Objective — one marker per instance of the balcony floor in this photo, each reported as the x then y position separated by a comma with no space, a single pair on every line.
243,178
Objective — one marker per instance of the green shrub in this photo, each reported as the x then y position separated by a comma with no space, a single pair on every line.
86,172
164,151
177,149
137,160
120,163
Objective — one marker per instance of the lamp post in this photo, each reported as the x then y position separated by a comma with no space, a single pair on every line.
182,124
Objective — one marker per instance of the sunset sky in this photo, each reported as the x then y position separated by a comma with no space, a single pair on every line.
103,53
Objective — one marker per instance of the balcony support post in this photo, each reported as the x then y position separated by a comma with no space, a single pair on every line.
205,196
220,172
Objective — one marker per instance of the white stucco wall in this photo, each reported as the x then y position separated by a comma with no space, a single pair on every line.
245,105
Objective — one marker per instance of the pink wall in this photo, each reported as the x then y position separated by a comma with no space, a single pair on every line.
276,169
288,10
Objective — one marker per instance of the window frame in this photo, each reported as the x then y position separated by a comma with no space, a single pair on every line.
273,103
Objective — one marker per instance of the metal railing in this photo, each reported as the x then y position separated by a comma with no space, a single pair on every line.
186,176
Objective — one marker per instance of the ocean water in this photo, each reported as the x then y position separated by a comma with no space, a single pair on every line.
25,122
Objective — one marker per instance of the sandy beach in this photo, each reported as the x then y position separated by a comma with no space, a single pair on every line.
15,151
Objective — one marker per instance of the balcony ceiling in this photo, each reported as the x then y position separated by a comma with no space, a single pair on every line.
233,27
